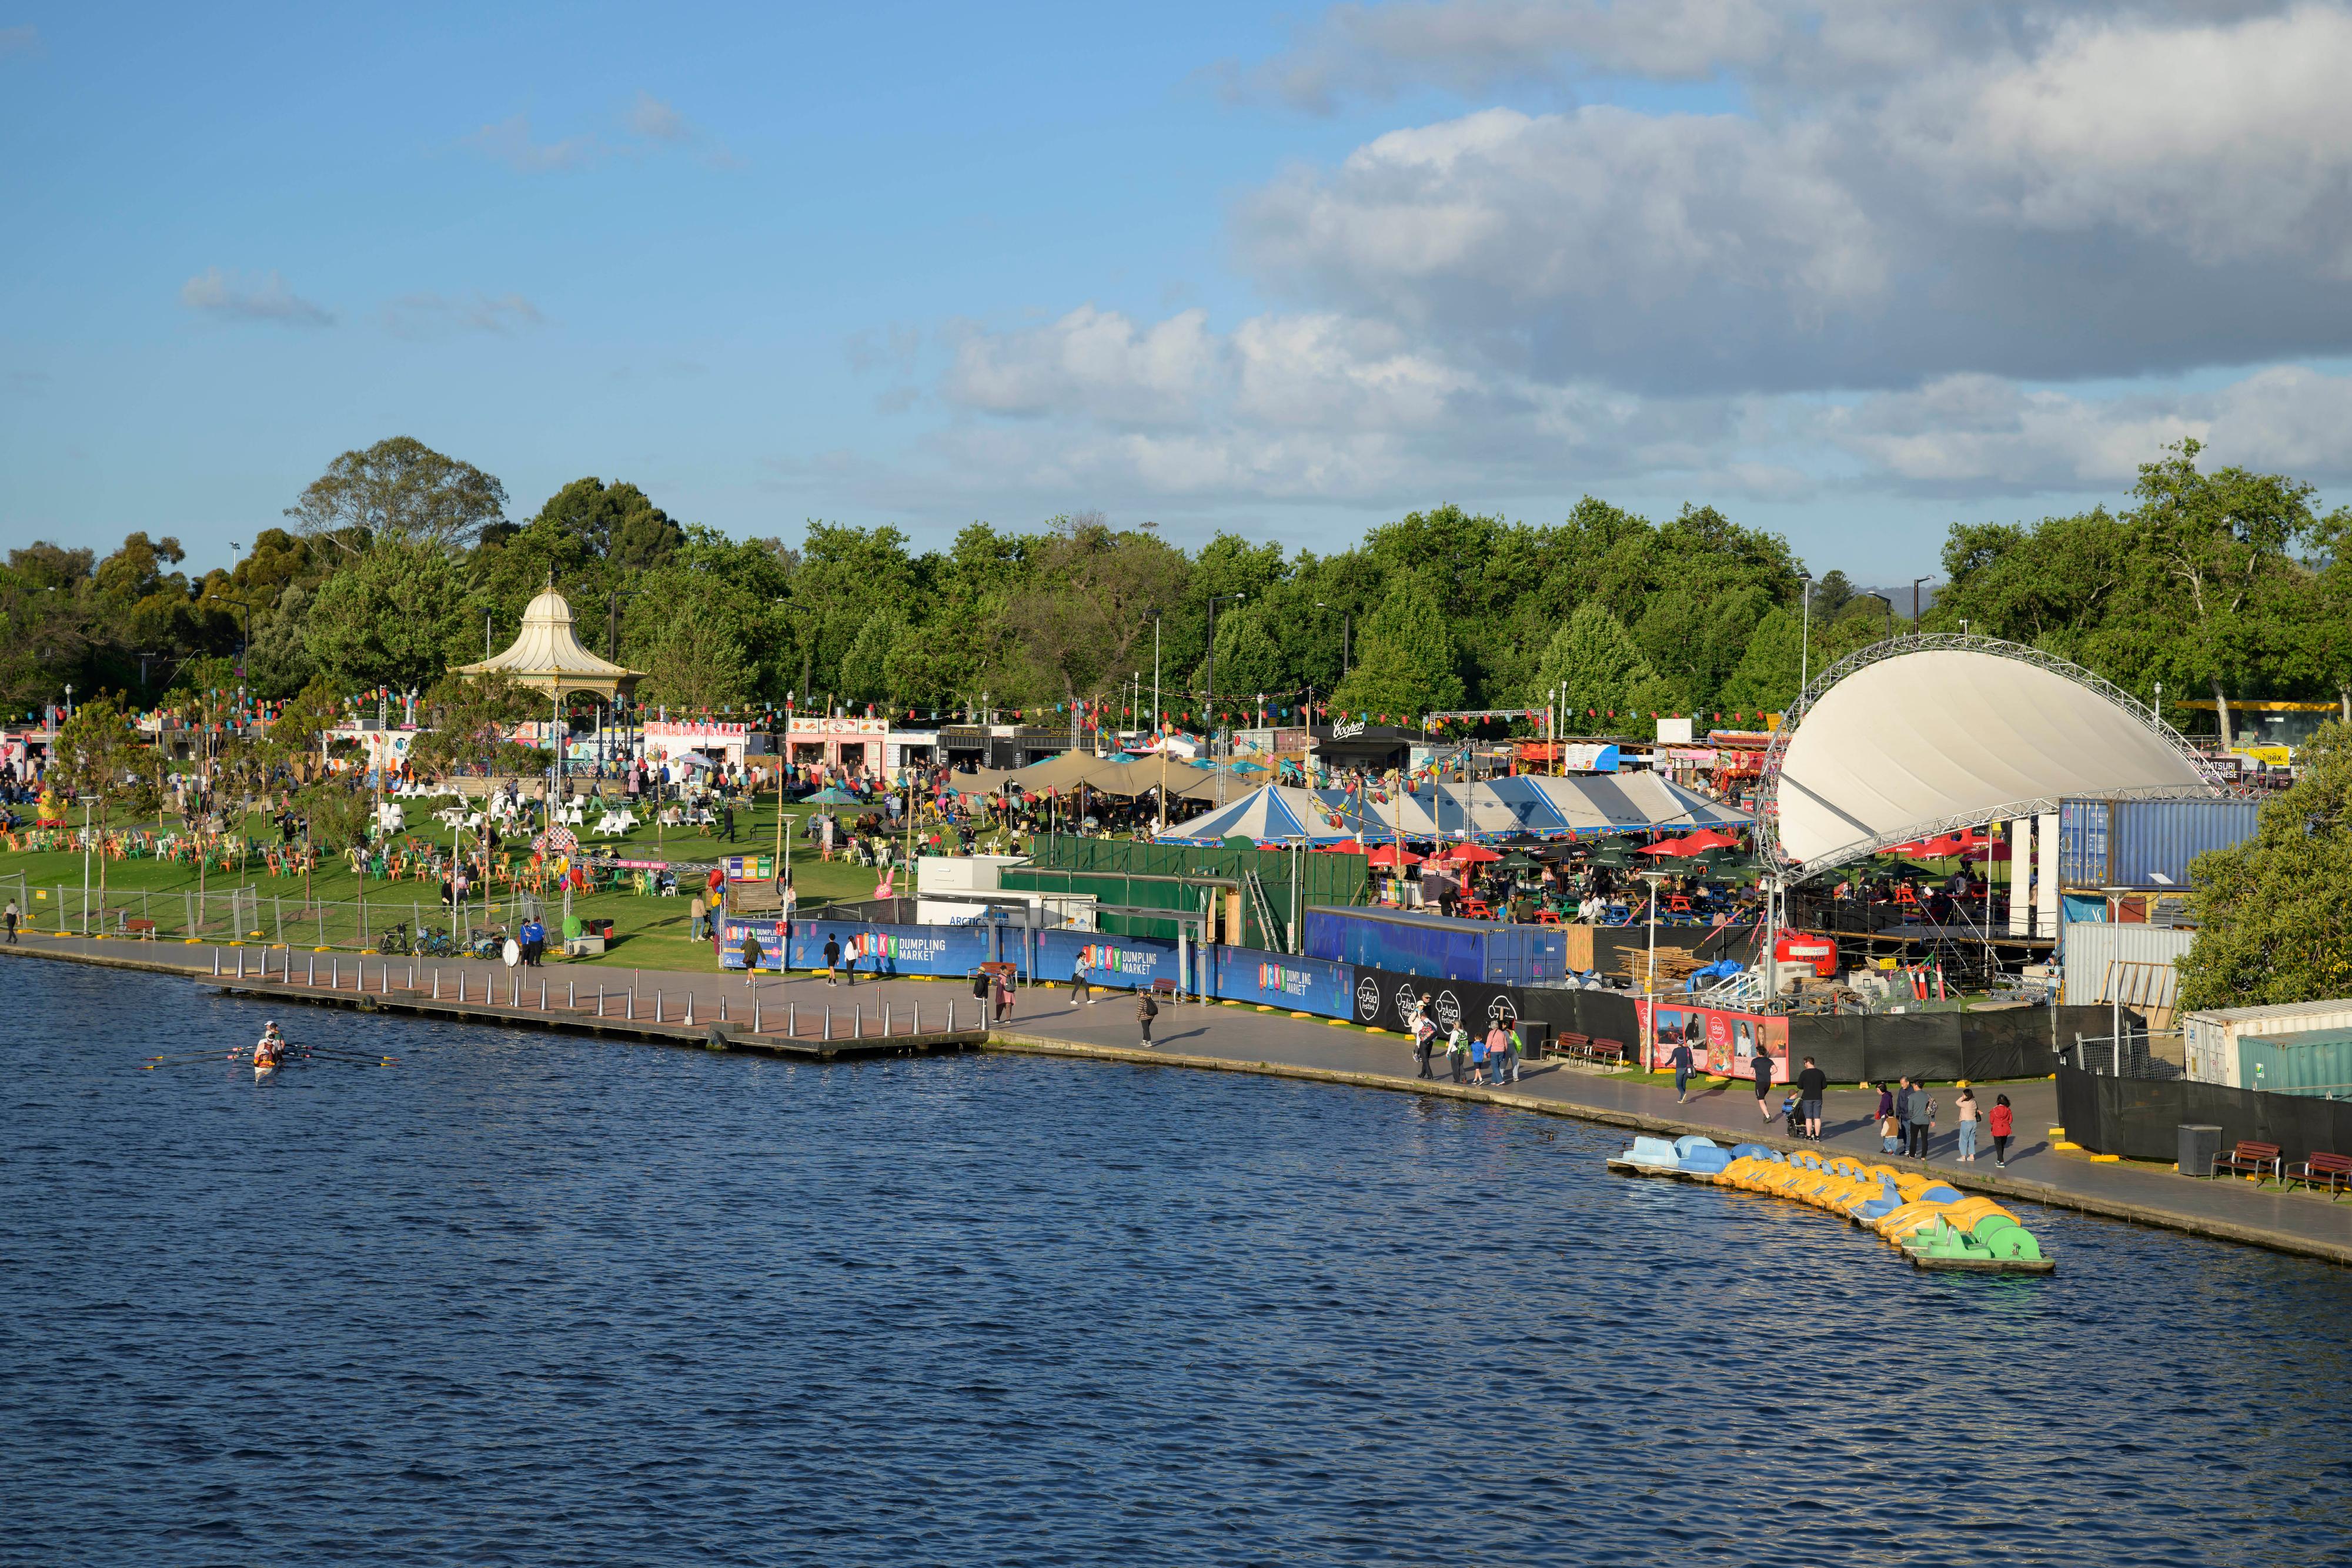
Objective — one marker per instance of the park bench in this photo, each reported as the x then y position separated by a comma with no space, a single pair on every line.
1609,1050
145,928
1168,988
2334,1171
2251,1159
1574,1044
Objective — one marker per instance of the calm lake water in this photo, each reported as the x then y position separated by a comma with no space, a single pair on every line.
530,1299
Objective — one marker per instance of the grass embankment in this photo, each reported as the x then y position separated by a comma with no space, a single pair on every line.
648,932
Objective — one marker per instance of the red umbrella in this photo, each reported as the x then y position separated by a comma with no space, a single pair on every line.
1389,855
1709,839
1665,847
1471,852
1983,850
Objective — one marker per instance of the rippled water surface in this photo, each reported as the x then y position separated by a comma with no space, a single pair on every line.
532,1299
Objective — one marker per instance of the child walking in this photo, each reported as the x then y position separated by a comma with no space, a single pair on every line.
2001,1124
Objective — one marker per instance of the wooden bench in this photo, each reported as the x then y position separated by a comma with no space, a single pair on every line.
2333,1171
145,928
1168,988
2251,1159
1576,1045
1610,1050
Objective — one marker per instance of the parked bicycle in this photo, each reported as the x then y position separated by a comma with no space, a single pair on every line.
395,940
435,944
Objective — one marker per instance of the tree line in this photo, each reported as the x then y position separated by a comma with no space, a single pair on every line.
399,562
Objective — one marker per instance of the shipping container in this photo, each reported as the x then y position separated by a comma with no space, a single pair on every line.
2145,844
1410,943
2212,1039
2105,962
2307,1061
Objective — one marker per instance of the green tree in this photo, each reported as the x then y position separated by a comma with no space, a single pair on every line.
100,758
2216,550
393,616
2274,914
470,721
296,737
1404,658
867,672
1249,662
1768,679
1600,672
615,522
398,492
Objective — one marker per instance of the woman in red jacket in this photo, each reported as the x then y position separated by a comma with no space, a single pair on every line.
2000,1124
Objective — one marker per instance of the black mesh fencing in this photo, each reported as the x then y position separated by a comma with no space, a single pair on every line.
2141,1118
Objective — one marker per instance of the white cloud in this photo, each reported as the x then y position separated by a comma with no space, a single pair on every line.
238,297
655,121
2048,199
427,316
509,141
1094,361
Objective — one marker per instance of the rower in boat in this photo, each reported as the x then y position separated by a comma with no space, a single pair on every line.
270,1049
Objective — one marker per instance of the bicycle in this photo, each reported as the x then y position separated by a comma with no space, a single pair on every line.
395,940
435,944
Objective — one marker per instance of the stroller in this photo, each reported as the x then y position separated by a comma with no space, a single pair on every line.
1793,1115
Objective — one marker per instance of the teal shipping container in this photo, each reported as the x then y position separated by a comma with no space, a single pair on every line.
2316,1062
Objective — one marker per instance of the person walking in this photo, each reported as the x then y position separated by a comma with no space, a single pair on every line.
832,958
1964,1112
9,918
2000,1124
1478,1056
1425,1039
1812,1086
1922,1121
1081,990
982,991
1458,1051
698,914
1498,1050
727,818
1762,1064
1146,1009
1681,1063
1003,993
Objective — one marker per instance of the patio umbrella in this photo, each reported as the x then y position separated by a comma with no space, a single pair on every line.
832,795
1471,852
1676,847
1981,851
1389,855
1711,838
1249,766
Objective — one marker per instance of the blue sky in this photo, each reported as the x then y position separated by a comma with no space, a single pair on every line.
1291,274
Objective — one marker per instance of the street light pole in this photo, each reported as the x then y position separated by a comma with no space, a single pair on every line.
1915,604
1805,638
1215,600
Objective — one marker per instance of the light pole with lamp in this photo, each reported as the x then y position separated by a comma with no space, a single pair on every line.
1914,602
1890,613
1805,637
1215,600
1650,976
1346,619
87,801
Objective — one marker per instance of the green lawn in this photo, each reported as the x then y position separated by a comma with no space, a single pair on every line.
648,932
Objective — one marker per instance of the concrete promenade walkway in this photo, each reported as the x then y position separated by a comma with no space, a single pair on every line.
1220,1036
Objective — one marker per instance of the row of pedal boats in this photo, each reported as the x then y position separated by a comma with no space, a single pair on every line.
1929,1221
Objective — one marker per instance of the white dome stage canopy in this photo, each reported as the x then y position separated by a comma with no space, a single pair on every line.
1920,736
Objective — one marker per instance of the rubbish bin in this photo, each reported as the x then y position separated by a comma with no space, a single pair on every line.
2199,1147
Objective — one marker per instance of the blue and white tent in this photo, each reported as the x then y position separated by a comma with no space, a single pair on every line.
1277,814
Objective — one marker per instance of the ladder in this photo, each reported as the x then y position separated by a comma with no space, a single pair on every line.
1264,912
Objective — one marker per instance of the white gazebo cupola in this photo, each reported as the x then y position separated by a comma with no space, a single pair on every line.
546,656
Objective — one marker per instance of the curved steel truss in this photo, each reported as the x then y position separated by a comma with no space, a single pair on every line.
1768,801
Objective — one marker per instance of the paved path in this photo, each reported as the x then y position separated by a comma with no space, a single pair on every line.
1240,1037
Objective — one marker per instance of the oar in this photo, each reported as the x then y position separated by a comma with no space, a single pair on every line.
184,1055
189,1061
337,1060
346,1051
